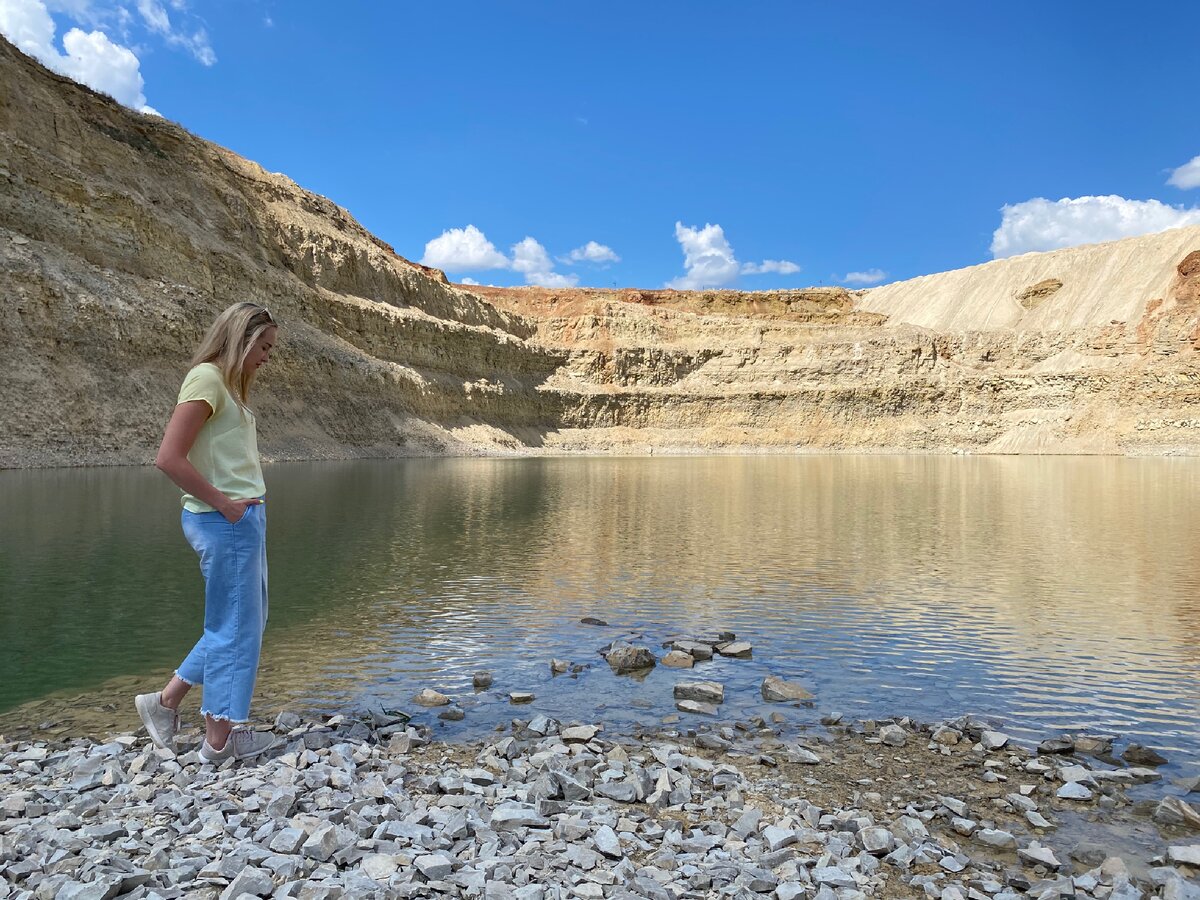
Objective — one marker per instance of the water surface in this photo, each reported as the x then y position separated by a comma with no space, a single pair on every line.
1055,593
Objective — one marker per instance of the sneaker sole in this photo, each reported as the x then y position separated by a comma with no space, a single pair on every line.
219,760
148,721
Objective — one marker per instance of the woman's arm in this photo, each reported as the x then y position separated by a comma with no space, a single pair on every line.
187,420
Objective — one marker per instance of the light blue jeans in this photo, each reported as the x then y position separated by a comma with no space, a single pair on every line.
233,558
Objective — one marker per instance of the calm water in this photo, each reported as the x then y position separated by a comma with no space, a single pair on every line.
1054,593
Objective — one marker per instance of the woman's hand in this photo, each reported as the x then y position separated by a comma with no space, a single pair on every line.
235,509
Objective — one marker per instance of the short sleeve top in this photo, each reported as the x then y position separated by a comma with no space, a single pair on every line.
226,449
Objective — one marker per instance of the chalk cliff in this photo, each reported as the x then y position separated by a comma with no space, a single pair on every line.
121,236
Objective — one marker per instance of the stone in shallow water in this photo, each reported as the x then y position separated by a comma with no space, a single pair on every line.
1063,744
559,666
520,697
1138,755
694,649
623,658
704,691
775,690
482,680
697,707
736,650
677,659
430,697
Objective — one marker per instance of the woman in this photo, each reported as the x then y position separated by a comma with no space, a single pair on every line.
210,450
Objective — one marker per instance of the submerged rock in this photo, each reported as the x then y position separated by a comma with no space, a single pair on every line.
677,659
482,680
704,691
1137,755
430,697
775,690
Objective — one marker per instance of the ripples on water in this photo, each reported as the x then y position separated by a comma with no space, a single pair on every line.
1055,593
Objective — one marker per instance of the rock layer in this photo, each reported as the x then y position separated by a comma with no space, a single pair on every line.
122,235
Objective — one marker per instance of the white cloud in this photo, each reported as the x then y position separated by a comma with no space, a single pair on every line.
531,260
155,16
90,57
157,20
27,24
707,257
460,249
1186,176
870,276
466,279
782,266
1041,224
592,252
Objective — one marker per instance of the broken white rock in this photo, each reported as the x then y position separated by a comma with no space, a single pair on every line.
1073,790
993,740
893,735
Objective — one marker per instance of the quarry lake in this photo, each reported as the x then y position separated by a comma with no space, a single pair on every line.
1056,594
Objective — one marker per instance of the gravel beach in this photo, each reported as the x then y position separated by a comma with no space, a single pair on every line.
369,806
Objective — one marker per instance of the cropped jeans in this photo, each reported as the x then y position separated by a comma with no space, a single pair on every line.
233,559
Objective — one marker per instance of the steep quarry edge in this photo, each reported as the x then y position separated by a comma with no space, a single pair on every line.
121,235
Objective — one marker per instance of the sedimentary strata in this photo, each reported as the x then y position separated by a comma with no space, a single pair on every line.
121,235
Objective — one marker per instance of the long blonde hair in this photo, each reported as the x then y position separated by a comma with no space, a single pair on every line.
228,342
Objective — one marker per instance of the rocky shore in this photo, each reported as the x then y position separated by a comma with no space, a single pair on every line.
369,806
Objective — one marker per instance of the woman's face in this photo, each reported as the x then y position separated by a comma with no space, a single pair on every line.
260,351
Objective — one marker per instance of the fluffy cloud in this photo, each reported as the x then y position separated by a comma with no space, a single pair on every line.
90,57
592,252
466,279
782,266
463,249
707,258
1042,224
1186,176
870,276
157,20
531,260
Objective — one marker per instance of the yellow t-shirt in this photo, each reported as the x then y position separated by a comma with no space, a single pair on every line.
226,449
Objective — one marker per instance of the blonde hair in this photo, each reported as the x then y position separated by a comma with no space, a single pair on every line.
228,342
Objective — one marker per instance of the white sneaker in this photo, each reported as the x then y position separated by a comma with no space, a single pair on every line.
241,744
161,722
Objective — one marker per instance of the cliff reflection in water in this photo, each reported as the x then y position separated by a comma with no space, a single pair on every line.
1054,592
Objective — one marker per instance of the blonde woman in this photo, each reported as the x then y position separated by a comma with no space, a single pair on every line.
210,450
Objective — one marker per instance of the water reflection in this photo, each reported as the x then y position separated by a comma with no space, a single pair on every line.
1054,592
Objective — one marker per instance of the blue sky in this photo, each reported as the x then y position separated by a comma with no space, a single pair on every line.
756,145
